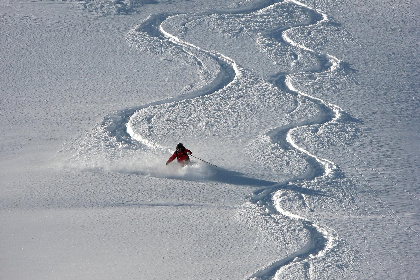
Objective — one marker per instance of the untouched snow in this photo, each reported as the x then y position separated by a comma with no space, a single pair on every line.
302,117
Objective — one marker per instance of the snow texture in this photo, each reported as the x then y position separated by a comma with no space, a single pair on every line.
302,117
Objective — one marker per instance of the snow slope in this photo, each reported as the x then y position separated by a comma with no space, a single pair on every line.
306,111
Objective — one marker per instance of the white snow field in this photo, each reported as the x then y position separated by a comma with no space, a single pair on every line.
302,116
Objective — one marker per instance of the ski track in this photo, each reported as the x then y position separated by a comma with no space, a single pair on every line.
322,239
117,124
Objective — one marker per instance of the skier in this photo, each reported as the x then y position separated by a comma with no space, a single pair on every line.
181,154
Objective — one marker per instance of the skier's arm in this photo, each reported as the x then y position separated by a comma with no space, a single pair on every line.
171,159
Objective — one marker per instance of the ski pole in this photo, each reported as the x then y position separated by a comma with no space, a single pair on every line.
204,161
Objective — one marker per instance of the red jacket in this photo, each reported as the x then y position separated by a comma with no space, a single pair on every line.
181,156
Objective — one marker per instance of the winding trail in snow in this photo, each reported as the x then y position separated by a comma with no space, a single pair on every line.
321,238
117,123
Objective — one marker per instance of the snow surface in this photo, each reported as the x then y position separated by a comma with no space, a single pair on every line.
303,117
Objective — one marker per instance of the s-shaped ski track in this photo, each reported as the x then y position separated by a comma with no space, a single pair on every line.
322,239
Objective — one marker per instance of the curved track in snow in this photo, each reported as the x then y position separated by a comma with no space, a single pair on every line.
322,239
118,124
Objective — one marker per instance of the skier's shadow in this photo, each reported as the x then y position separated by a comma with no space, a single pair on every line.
236,178
225,176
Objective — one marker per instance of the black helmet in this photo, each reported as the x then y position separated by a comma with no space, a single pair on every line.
180,146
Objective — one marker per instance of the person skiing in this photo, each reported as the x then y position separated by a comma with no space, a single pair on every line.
181,154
